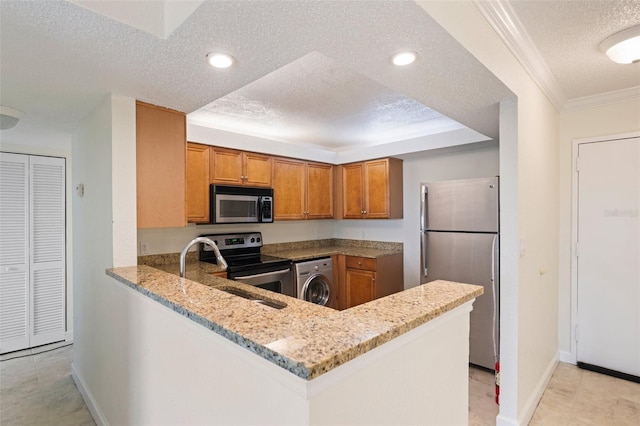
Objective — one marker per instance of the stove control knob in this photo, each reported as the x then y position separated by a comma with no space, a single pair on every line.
253,240
258,239
316,267
215,242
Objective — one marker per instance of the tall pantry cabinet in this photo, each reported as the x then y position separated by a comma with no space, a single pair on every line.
32,251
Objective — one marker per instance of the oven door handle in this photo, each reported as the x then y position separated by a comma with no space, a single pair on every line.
266,274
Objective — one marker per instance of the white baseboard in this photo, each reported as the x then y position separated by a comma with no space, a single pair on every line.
506,421
532,403
568,357
98,417
68,336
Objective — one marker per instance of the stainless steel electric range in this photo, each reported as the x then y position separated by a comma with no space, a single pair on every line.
242,252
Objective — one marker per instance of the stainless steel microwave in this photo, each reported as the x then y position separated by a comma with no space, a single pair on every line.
241,204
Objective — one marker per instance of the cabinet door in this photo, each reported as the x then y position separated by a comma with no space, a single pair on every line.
319,191
288,189
376,178
360,286
14,252
197,183
48,255
352,191
257,169
160,167
226,166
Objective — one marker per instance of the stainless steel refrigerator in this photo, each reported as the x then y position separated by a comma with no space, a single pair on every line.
460,242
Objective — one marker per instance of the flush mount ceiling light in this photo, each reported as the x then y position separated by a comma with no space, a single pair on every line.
404,58
9,117
220,60
623,47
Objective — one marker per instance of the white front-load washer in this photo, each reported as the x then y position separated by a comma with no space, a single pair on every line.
314,279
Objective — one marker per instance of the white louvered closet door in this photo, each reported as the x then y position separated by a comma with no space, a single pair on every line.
32,251
14,252
47,271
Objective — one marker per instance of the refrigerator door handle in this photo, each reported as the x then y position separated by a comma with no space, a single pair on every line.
424,196
424,251
495,259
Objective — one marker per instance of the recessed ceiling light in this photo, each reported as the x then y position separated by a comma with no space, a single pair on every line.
623,47
220,60
403,58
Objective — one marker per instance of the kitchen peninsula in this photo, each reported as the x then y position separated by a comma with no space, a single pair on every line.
223,359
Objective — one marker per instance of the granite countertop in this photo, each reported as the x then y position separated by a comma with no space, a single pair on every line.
305,339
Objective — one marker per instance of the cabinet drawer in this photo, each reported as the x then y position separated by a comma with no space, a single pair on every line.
365,263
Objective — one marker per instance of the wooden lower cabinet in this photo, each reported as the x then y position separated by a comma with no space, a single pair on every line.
361,286
362,279
220,274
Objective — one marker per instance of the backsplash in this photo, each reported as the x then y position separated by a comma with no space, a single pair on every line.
331,242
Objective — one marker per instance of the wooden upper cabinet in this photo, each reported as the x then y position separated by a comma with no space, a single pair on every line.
226,166
302,190
197,183
160,167
257,169
319,199
232,167
353,190
288,189
372,189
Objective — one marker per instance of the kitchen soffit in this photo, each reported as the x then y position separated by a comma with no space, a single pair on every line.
312,100
60,60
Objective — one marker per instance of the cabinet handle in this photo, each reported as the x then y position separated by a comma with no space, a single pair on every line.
359,263
364,212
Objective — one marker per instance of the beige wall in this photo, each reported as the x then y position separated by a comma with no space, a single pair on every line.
97,158
529,202
605,120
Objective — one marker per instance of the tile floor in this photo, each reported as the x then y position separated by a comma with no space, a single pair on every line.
573,397
38,390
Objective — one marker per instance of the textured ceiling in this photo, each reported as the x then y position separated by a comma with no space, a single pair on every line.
313,100
568,33
59,60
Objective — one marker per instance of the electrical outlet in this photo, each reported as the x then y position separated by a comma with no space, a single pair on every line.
144,248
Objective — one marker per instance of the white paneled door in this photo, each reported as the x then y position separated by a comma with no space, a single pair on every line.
608,255
32,251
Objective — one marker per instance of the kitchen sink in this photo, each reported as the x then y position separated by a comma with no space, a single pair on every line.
253,297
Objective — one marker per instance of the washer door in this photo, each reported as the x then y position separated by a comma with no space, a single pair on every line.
316,290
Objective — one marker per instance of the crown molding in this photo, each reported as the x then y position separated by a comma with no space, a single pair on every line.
613,97
503,19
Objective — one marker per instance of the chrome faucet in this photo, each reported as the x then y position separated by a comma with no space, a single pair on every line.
221,262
